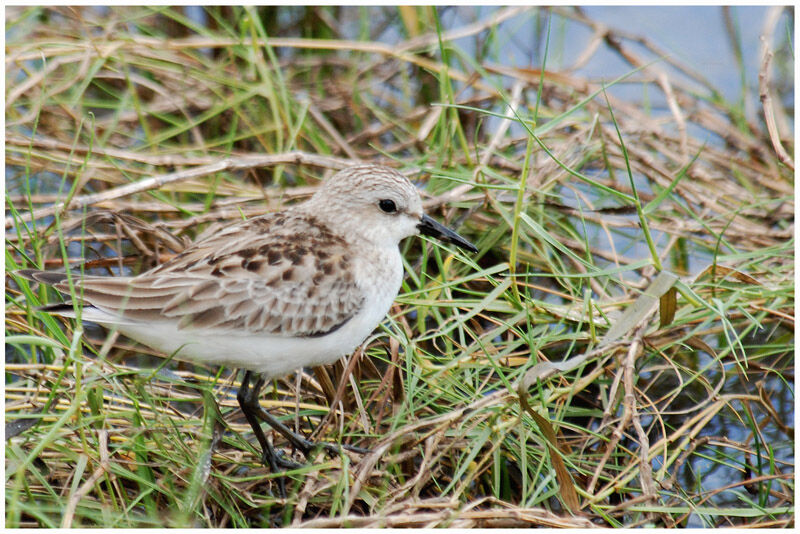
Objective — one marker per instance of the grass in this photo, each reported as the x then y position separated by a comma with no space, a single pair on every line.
637,407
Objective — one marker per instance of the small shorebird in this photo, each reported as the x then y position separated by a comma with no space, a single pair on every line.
300,287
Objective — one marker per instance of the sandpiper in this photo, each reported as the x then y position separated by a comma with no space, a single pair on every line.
300,287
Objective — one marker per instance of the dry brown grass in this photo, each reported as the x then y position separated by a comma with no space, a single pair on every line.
159,130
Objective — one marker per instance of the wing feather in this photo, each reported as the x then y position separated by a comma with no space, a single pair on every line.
260,276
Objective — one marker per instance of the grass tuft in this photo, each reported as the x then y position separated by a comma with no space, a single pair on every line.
132,131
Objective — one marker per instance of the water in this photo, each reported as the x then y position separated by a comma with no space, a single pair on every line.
695,36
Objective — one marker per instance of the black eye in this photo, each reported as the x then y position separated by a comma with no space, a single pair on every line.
387,205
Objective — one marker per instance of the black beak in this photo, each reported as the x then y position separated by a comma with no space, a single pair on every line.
428,226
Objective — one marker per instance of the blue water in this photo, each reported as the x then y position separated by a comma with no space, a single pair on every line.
695,36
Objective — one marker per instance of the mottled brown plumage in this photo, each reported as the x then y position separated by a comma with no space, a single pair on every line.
253,277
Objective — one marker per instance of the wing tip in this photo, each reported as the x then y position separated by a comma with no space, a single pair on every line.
50,278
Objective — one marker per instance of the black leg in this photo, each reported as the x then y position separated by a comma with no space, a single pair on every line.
248,401
247,396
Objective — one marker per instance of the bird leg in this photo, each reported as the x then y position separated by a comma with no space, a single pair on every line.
248,401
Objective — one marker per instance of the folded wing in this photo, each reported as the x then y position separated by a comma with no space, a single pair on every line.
281,274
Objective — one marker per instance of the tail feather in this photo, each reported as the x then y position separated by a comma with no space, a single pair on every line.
88,313
50,278
59,281
59,308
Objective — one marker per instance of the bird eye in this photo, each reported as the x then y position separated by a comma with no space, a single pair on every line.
387,205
